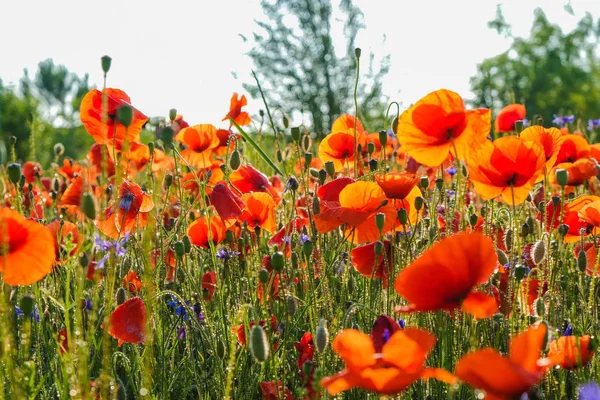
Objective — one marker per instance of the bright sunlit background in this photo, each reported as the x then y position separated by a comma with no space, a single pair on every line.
189,55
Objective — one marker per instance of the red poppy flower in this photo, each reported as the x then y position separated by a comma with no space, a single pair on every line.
389,372
305,348
439,125
592,267
240,330
70,169
227,203
509,167
294,226
60,233
505,121
339,148
370,265
199,234
27,252
382,329
549,138
578,172
92,116
505,377
201,142
248,179
63,341
99,158
132,282
127,322
235,111
179,123
209,284
31,171
573,148
259,210
329,196
274,391
443,277
396,185
569,352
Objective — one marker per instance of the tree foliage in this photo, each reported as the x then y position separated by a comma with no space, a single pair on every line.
551,72
300,68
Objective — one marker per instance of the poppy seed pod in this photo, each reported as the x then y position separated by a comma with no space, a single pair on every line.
581,260
84,260
473,220
330,168
106,61
357,52
292,184
286,121
322,336
373,164
292,305
121,296
27,304
259,346
402,216
307,248
125,115
167,137
296,133
502,257
187,244
439,183
370,148
563,229
167,181
88,206
179,248
419,203
380,221
322,176
316,206
424,182
538,252
14,172
235,160
521,271
277,261
307,159
383,138
555,201
562,177
263,275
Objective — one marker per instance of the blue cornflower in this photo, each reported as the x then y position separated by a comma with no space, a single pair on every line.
402,323
386,335
589,391
562,120
178,307
525,122
593,123
568,330
303,238
225,253
451,170
450,193
106,245
287,239
181,332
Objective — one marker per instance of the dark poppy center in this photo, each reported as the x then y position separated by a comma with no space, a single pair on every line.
16,236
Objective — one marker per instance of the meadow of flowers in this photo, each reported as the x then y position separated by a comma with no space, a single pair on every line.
422,261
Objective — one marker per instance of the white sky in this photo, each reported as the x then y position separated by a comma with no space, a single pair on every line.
181,54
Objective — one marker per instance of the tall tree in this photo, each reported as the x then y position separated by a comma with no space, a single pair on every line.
551,72
300,68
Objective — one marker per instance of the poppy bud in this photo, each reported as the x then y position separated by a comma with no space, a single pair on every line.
167,181
370,148
261,113
378,248
502,257
259,346
88,206
316,206
14,172
380,221
483,211
508,239
84,260
125,115
521,272
59,149
106,61
581,261
167,137
562,177
307,248
313,172
563,229
179,248
473,220
220,349
359,148
121,296
235,160
27,304
330,168
538,252
322,336
229,236
187,244
357,52
402,216
351,284
395,125
292,184
263,275
277,261
439,183
307,368
296,133
322,176
383,138
419,203
286,121
373,164
540,307
307,160
424,182
525,230
279,156
295,260
172,114
55,184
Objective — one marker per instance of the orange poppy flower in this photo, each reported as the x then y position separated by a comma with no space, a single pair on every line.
550,139
201,142
590,213
389,147
505,121
60,233
509,167
99,158
70,169
439,125
31,171
578,172
573,148
226,136
132,282
122,218
294,226
443,277
127,322
595,152
27,253
370,265
339,148
209,284
398,364
109,131
259,210
577,225
345,122
199,233
396,185
71,198
235,111
329,197
227,203
248,179
505,377
569,352
211,175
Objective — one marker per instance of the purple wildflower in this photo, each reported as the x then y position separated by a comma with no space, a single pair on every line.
303,238
562,120
525,122
118,245
568,330
589,391
451,170
593,123
225,253
402,323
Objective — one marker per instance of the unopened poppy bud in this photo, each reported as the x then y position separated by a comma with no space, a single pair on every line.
562,177
296,133
307,368
563,229
380,221
313,172
316,206
378,248
359,148
383,138
540,307
295,260
106,61
167,137
14,172
27,302
307,159
521,272
525,230
167,181
151,148
395,125
502,257
402,216
84,260
261,113
187,244
292,184
439,183
307,247
59,149
179,248
581,260
357,52
555,201
235,161
473,220
538,252
125,115
279,155
55,184
286,121
292,305
263,275
322,176
172,114
121,296
370,148
419,203
220,349
508,239
229,236
373,164
277,261
12,140
424,182
259,346
330,168
322,336
88,206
